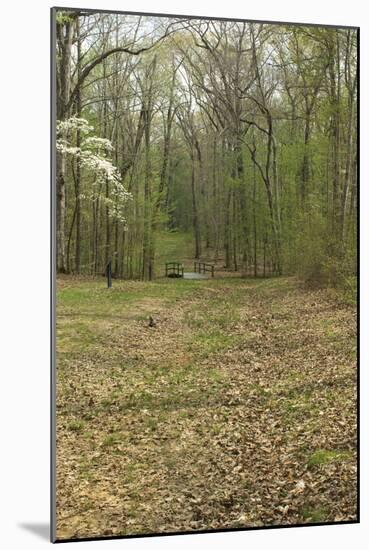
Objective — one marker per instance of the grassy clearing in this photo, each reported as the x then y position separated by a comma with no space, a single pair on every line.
174,247
237,409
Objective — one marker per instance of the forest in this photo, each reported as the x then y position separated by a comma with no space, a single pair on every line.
240,134
208,168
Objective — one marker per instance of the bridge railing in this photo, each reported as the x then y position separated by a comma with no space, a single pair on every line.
202,267
174,268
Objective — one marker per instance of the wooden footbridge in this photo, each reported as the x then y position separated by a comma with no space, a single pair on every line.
200,270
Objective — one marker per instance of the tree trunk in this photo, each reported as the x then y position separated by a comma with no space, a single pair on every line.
78,163
254,222
148,242
65,33
195,219
227,235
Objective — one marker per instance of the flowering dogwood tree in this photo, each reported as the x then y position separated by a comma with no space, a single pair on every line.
94,157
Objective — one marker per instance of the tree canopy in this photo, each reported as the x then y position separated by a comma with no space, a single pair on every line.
243,134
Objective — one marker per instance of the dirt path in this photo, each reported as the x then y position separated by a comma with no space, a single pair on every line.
237,409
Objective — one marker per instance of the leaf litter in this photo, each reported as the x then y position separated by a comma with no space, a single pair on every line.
238,409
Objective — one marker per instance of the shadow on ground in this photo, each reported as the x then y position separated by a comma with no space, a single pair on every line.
42,530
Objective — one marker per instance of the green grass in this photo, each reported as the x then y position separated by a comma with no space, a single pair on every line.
76,426
152,424
314,515
112,439
206,343
322,457
94,299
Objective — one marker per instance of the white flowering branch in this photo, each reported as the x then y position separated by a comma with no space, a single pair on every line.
93,155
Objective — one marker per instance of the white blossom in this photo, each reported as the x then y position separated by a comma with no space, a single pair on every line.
94,160
73,123
98,143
